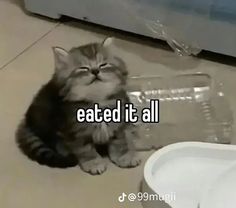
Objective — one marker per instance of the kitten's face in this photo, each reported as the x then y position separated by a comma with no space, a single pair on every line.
89,72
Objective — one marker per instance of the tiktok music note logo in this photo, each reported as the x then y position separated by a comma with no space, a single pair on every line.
122,197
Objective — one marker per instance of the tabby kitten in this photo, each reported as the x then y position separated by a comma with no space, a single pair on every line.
50,134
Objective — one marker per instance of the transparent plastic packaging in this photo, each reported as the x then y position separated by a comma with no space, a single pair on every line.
192,108
179,22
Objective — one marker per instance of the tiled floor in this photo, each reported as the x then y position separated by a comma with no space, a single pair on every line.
26,62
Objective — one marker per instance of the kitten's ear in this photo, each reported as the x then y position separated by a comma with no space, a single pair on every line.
107,42
61,57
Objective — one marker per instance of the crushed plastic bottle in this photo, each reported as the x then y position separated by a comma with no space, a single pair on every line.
181,48
165,20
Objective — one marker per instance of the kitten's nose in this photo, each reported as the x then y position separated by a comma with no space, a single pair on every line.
95,71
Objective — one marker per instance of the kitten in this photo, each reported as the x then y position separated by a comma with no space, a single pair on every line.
50,134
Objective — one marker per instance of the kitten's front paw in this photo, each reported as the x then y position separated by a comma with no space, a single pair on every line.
128,160
94,167
102,134
100,138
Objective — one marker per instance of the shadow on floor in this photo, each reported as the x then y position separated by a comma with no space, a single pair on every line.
19,3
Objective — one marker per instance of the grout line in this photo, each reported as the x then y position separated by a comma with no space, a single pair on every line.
30,46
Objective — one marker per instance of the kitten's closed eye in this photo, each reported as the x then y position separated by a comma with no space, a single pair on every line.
82,69
104,65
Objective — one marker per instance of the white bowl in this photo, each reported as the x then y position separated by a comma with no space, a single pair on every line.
183,173
222,192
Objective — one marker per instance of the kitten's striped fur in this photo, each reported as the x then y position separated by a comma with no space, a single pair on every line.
50,134
36,149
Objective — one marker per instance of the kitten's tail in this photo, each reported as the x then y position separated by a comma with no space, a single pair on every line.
33,147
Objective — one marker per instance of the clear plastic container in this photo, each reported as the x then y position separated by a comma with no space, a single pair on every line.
192,108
